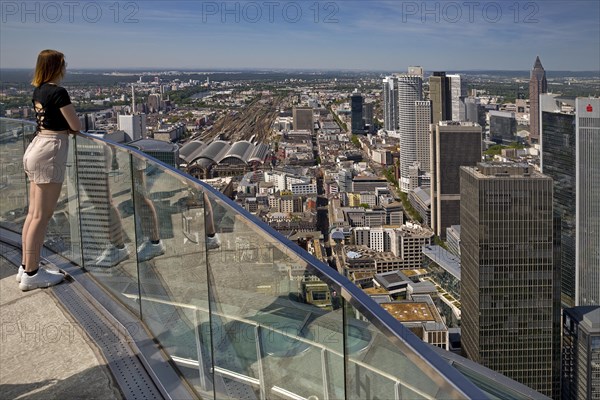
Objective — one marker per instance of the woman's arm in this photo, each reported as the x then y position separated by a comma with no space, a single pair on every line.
70,115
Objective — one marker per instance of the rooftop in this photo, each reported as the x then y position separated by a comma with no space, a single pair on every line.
423,195
412,311
153,145
459,124
491,170
414,272
36,331
586,315
375,291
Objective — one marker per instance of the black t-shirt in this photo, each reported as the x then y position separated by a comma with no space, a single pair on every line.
52,98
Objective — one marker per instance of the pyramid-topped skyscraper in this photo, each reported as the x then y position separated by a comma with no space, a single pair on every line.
537,86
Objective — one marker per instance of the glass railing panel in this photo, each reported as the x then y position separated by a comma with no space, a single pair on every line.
378,366
276,325
171,254
244,315
13,184
107,217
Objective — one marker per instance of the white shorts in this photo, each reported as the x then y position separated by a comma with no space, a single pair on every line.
45,160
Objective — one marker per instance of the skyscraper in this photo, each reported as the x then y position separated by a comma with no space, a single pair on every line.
390,103
410,90
100,220
570,155
458,89
441,97
587,189
580,375
416,70
537,86
356,108
453,144
509,295
368,109
423,134
557,159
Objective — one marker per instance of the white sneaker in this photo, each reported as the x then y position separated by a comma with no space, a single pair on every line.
21,271
41,279
148,250
111,256
213,242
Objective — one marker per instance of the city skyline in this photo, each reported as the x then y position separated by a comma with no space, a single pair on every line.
483,35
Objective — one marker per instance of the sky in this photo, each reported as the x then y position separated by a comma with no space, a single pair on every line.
304,34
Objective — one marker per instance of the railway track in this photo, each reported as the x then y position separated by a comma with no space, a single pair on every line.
255,120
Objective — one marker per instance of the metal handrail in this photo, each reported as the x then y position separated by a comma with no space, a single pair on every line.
380,318
421,354
282,332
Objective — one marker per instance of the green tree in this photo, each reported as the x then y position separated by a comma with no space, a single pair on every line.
437,240
410,210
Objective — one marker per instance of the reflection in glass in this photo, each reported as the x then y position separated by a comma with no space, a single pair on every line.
169,225
106,213
272,318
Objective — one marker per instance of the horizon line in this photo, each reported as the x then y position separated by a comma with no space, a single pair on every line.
280,69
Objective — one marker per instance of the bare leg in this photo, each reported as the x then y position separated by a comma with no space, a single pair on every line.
27,222
45,197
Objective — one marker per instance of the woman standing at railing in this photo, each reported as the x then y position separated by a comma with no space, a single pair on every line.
45,163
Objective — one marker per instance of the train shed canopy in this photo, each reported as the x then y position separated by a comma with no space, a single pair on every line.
220,152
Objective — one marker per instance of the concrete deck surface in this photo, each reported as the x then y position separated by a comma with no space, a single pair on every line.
44,353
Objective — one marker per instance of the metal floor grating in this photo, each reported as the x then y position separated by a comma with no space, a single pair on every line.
127,369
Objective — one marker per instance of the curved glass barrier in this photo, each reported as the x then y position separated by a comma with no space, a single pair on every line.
240,310
13,185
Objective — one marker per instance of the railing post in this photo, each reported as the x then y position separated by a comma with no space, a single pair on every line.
135,230
324,362
264,390
201,362
77,211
